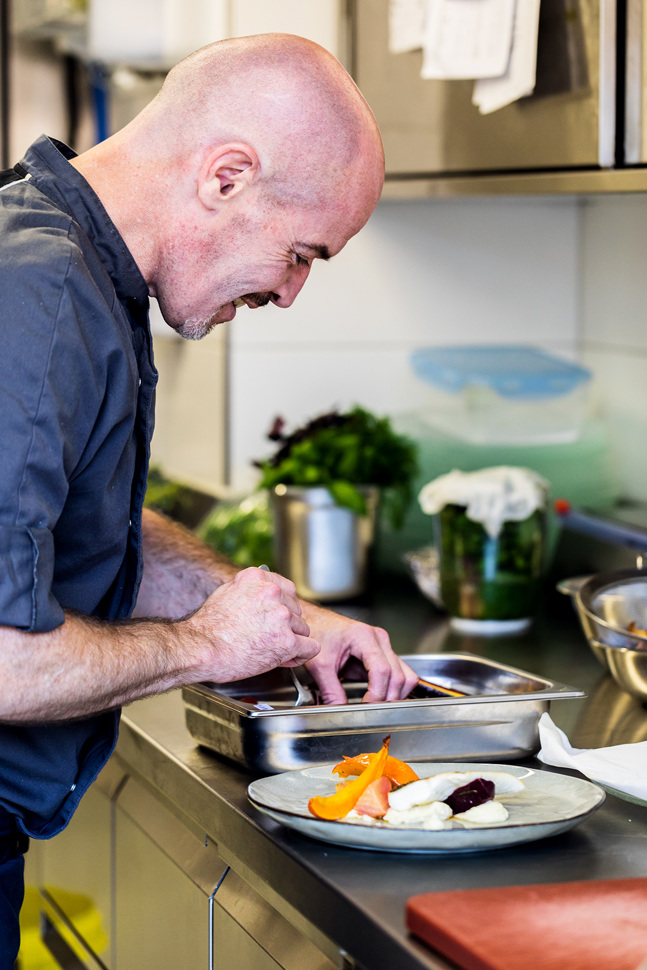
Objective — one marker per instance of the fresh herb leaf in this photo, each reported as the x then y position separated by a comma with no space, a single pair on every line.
348,497
340,451
243,531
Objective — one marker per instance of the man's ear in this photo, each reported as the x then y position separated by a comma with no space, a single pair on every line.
225,172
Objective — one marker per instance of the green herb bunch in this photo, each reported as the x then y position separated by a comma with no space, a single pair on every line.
166,495
341,451
241,531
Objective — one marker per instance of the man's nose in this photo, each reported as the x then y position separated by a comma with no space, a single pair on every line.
285,294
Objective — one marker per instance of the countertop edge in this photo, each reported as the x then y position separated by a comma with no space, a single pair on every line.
311,904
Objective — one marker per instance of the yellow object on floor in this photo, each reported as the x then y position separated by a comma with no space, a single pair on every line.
34,955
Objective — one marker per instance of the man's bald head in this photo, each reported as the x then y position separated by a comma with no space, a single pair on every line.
257,156
287,97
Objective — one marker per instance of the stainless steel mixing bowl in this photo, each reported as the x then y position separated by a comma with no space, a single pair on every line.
607,604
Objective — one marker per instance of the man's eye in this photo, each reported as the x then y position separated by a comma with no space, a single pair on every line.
302,261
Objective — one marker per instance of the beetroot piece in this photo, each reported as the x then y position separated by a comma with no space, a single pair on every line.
474,793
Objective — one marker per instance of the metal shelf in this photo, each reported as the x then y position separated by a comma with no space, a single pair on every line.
576,182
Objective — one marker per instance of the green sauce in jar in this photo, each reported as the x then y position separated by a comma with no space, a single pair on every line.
489,578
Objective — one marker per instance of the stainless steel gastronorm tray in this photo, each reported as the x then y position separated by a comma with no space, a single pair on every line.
497,720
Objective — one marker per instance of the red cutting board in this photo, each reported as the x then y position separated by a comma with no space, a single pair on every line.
554,926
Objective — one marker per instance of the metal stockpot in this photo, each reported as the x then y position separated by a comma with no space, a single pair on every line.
323,548
607,603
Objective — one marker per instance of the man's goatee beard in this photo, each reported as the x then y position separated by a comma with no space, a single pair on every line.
196,329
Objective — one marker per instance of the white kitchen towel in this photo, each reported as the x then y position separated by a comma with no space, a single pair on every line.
621,766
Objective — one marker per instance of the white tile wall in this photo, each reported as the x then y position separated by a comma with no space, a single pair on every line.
190,420
620,379
614,326
431,272
614,271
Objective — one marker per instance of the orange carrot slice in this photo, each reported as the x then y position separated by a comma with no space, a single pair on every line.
398,771
332,807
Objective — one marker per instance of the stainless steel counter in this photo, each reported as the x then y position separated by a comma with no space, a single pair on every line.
357,899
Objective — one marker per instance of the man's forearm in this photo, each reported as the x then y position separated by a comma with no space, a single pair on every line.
245,627
86,666
180,570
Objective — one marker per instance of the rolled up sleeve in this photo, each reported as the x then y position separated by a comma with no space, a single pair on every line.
26,600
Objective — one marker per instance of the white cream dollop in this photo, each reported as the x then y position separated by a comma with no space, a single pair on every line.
433,815
438,787
487,813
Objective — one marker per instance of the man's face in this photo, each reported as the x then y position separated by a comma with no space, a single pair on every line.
248,255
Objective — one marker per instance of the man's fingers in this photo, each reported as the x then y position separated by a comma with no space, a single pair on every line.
308,648
345,641
401,679
392,683
285,590
386,676
288,591
327,680
300,628
252,623
410,679
389,678
378,687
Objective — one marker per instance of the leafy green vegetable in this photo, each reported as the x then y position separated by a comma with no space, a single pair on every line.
241,531
342,451
166,495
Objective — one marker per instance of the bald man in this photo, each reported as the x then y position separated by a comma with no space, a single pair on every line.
258,156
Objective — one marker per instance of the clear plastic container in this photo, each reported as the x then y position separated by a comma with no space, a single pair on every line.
504,394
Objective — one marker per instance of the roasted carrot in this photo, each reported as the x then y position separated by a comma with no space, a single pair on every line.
332,807
399,772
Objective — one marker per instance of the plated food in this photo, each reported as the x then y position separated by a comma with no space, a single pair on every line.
388,790
546,804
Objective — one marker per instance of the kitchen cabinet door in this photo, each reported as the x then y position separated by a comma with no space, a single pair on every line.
165,873
178,905
74,871
249,934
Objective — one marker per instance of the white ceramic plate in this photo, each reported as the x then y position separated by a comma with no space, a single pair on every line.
548,804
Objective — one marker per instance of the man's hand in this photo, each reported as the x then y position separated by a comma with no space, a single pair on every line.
181,574
341,638
251,624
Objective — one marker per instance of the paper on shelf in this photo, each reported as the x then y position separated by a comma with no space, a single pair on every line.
490,94
406,25
621,766
467,38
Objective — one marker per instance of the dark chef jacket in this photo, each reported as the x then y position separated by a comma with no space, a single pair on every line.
77,386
